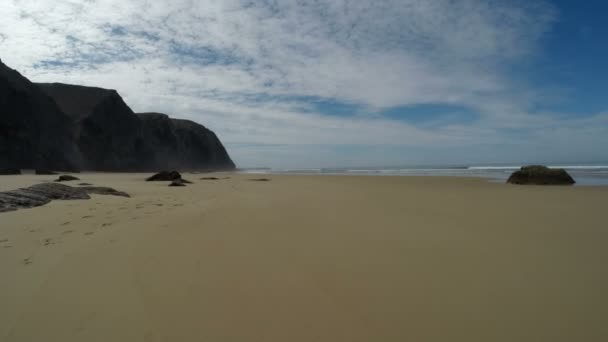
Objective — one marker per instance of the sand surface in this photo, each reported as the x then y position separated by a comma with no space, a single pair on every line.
307,258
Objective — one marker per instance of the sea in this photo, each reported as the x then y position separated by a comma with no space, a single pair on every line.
584,175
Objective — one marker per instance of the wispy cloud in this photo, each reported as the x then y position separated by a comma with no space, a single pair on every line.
249,69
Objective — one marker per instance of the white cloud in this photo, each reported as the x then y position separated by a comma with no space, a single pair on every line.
243,67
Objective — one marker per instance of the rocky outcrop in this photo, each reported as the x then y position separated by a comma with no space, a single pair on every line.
183,144
41,194
34,132
108,133
540,175
64,127
102,190
113,138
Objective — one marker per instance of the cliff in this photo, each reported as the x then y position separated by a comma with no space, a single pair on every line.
113,138
34,132
183,144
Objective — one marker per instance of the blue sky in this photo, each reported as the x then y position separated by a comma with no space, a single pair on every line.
575,57
333,83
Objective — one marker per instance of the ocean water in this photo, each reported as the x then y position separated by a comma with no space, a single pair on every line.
584,175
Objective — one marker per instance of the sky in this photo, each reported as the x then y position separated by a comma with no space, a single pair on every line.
340,83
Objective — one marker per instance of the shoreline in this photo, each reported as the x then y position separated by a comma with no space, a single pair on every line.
581,179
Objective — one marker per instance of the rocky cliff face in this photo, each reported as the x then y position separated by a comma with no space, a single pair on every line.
34,132
58,126
183,144
113,138
108,133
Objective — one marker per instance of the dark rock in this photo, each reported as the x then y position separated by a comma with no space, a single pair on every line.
41,194
10,171
540,175
34,132
45,172
177,182
164,176
100,190
260,180
66,178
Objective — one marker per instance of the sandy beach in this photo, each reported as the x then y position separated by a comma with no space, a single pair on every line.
307,258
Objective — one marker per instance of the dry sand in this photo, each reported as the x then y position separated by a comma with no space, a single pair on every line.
307,258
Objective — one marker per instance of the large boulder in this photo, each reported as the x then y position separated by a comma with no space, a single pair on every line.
34,132
540,175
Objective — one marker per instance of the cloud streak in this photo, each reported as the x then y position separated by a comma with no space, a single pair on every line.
249,69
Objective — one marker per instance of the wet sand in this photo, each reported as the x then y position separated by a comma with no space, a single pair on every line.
307,258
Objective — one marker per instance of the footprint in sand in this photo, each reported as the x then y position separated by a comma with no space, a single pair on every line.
89,233
27,261
106,224
3,240
86,217
48,242
66,223
67,232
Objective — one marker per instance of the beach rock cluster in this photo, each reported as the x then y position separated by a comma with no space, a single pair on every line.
53,126
172,176
41,194
164,176
540,175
